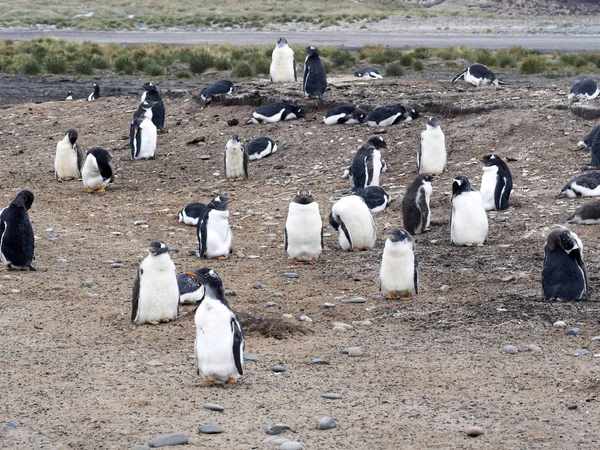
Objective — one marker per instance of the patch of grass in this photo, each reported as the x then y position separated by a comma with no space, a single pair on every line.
406,60
533,64
506,60
183,74
394,70
242,70
123,65
153,69
343,59
30,66
83,67
421,53
200,61
222,64
56,64
418,65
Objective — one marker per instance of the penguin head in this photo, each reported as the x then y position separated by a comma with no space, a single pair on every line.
158,248
376,142
149,86
489,160
220,203
400,235
565,240
311,51
303,197
459,185
213,285
24,199
235,143
425,178
413,112
433,122
72,135
282,42
359,114
299,112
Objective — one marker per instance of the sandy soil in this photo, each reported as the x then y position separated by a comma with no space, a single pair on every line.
75,370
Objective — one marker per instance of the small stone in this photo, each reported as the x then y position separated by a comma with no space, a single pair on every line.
304,318
366,322
343,325
291,275
328,305
275,440
53,238
332,396
378,297
474,431
62,260
559,324
240,254
253,257
572,407
573,332
596,338
169,439
511,349
277,428
141,447
318,361
155,362
356,352
287,317
116,265
209,428
230,292
87,283
10,424
15,291
258,286
339,329
89,295
115,233
291,445
580,352
533,348
213,407
270,304
251,357
445,287
140,222
354,300
277,294
326,423
49,230
278,368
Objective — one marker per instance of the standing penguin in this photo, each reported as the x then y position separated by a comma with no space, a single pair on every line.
191,213
432,154
376,198
564,276
358,230
221,87
283,64
416,214
95,95
496,183
368,164
190,289
214,234
97,172
468,222
219,345
236,159
155,295
315,78
477,75
16,234
143,133
399,273
69,96
303,229
152,95
584,90
69,159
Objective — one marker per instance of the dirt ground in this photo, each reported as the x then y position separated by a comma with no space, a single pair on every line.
75,371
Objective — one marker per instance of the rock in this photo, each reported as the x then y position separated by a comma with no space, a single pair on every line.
445,287
213,407
291,275
209,428
240,254
49,230
87,283
339,329
354,300
278,368
62,260
343,325
277,294
291,445
378,297
533,348
253,257
596,338
559,324
155,362
53,238
169,439
474,431
304,318
230,293
275,440
328,305
251,357
326,423
258,286
89,295
580,352
318,361
332,396
277,428
572,407
510,349
12,425
573,332
355,352
287,316
140,222
116,265
15,291
141,447
270,304
366,322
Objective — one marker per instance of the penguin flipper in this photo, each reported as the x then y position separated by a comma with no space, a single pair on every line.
368,170
459,76
238,345
416,272
202,233
334,224
423,207
79,153
135,297
285,238
294,64
347,234
245,162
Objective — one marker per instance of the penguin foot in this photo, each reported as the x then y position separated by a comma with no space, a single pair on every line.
240,178
152,322
7,267
427,229
312,261
469,244
206,383
90,190
231,179
102,189
221,257
297,261
356,250
165,320
406,296
66,178
231,382
391,296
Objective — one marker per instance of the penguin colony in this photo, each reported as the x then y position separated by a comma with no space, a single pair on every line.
219,346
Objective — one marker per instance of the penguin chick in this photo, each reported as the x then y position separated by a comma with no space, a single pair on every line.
564,276
399,273
586,214
368,164
469,223
214,234
283,64
236,159
69,158
17,241
303,229
97,172
432,153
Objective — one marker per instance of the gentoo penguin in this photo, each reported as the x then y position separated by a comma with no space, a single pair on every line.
368,164
416,214
585,185
354,222
191,213
219,345
95,95
155,295
468,222
143,133
152,95
260,147
214,234
190,289
236,159
588,140
303,229
376,198
69,158
344,114
368,72
315,78
478,75
496,183
432,153
595,148
221,87
69,96
586,214
283,64
275,112
564,276
399,273
16,234
382,116
584,90
97,172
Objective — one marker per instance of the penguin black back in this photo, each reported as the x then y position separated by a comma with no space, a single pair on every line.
153,96
103,159
503,182
17,240
415,204
564,276
220,87
315,78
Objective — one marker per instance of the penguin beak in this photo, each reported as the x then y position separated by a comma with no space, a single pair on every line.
479,159
229,200
141,85
191,274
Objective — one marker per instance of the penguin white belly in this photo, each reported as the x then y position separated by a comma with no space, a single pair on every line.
5,260
397,268
303,228
90,174
148,144
377,167
469,220
385,122
433,151
159,293
214,342
359,222
582,191
270,119
426,190
282,65
488,187
333,120
218,234
474,80
65,162
234,164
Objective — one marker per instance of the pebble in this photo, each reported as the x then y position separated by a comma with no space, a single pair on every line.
356,352
354,300
511,349
87,283
116,265
559,324
213,407
251,357
277,294
10,424
287,316
328,305
89,295
572,407
474,431
230,292
141,447
270,304
62,260
209,428
291,445
378,297
155,362
144,226
140,222
49,230
332,396
445,287
291,275
343,325
275,440
277,428
326,423
596,338
318,361
240,254
253,257
53,238
15,291
304,318
533,348
366,322
169,439
580,352
278,368
573,332
339,329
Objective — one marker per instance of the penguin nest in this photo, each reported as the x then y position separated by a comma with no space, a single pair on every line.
270,327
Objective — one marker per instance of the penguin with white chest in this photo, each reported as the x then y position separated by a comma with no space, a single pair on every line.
315,79
496,183
283,64
432,153
143,133
344,114
155,295
399,272
587,142
385,115
260,147
214,234
69,158
368,164
97,172
584,90
368,72
276,112
17,241
416,214
236,159
95,95
468,222
351,218
152,95
584,185
303,229
564,276
478,75
586,214
191,213
219,345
